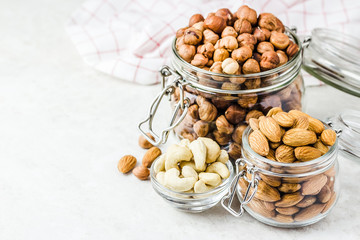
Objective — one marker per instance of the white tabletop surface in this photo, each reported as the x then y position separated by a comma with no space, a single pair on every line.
64,126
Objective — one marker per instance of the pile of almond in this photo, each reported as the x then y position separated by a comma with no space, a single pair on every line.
291,137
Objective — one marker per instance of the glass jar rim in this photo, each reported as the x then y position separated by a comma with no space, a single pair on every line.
225,182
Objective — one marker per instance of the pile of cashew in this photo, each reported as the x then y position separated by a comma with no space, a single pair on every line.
196,166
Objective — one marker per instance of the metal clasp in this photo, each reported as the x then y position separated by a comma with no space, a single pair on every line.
241,171
167,90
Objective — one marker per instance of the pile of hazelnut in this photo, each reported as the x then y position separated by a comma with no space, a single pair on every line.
235,43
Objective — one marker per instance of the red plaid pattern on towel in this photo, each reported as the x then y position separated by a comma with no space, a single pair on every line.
132,39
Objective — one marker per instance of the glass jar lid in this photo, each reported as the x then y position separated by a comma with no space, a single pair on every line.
333,58
347,125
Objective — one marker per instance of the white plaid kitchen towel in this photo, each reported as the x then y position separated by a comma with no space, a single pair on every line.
131,39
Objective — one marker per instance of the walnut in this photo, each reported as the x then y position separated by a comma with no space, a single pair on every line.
264,47
244,12
269,60
226,15
246,39
210,36
215,23
242,26
229,43
230,66
235,114
199,60
195,19
192,36
206,49
279,40
248,100
220,54
241,54
270,22
251,66
187,52
229,31
283,58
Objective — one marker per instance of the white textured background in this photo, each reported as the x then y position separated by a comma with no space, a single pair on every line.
63,127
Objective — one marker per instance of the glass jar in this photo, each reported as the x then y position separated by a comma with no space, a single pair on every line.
218,106
286,194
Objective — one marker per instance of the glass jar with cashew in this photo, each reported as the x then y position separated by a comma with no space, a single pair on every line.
292,193
192,176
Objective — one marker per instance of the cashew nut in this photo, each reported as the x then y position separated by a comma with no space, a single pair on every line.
185,142
213,149
187,171
160,177
160,164
192,164
176,154
212,179
174,182
201,187
198,149
219,168
224,157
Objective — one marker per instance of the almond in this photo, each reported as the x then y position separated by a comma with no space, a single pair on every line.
289,187
254,123
271,155
307,153
330,203
272,181
285,154
314,185
273,111
321,147
141,172
259,207
324,195
331,172
150,156
287,210
316,125
284,119
267,193
309,212
307,201
274,145
283,218
126,163
301,122
290,199
328,137
259,143
297,137
144,143
269,127
297,113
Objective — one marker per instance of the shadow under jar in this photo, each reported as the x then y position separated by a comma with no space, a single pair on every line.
287,194
220,105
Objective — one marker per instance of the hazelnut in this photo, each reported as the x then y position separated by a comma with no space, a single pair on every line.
144,143
199,60
215,23
206,49
234,150
199,26
270,22
251,66
209,64
292,49
207,111
253,114
216,68
201,128
221,104
187,52
220,55
252,83
221,138
226,15
238,132
237,80
223,125
195,19
248,100
179,42
249,14
230,66
242,54
242,26
141,172
192,36
193,111
268,102
229,43
246,39
269,60
279,40
229,31
283,58
264,47
187,135
257,57
180,32
235,114
261,34
210,37
230,86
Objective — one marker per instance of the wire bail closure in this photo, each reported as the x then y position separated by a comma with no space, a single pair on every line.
167,90
253,184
